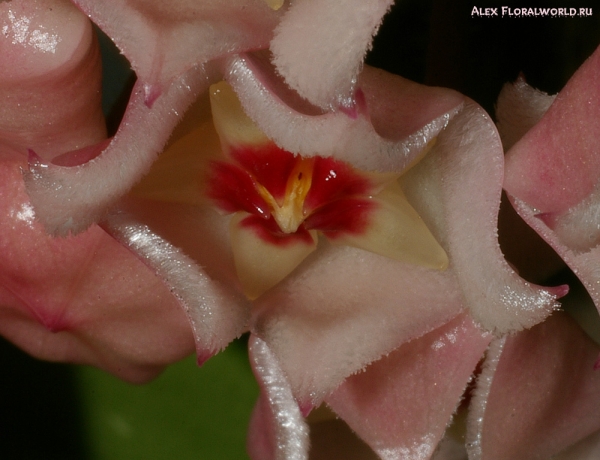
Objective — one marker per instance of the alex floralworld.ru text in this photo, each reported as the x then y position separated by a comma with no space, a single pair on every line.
505,11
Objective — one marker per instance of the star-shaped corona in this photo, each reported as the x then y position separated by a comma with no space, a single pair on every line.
281,202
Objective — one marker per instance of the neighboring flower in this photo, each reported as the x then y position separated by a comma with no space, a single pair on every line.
552,178
82,299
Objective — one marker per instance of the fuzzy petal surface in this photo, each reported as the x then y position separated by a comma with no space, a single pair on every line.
277,429
542,394
397,120
169,48
555,166
519,108
456,189
83,299
162,41
320,45
50,80
401,404
552,175
317,329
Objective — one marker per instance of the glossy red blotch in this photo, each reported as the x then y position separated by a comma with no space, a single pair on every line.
291,195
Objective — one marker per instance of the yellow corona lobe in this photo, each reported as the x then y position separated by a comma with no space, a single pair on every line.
289,214
274,4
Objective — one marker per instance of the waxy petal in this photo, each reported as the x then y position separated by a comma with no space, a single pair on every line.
263,258
320,45
316,329
76,299
520,107
50,80
542,393
163,41
83,299
553,180
216,314
555,166
169,51
277,429
418,112
456,190
401,404
69,199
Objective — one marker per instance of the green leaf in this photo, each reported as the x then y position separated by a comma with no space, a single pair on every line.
186,413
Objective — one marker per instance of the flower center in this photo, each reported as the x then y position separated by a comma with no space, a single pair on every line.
289,213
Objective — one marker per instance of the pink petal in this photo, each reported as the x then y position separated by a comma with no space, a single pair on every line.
316,320
401,404
556,165
520,107
82,299
164,40
168,47
277,429
50,79
69,199
554,169
409,117
319,47
539,394
154,232
456,189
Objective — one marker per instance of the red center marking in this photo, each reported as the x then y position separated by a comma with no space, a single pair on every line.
337,202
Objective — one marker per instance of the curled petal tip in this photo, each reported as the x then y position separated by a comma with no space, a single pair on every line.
559,291
151,93
33,158
202,357
306,408
81,156
597,364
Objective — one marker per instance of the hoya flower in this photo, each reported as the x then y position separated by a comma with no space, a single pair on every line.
307,326
342,322
552,177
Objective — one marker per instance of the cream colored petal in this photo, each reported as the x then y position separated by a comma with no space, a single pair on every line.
398,232
260,265
179,173
274,4
232,123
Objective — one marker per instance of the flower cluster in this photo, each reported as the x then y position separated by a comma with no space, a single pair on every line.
344,217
